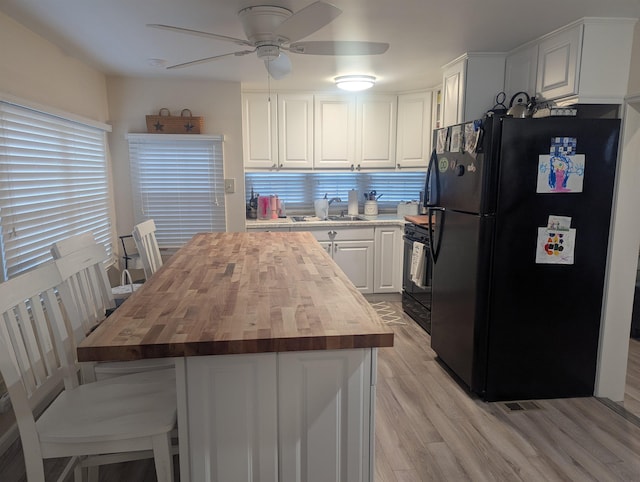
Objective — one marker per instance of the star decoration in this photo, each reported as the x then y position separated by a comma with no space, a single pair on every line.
158,126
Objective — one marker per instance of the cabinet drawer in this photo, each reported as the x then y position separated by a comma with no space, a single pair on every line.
342,234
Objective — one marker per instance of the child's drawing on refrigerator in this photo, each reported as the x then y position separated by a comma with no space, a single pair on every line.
562,170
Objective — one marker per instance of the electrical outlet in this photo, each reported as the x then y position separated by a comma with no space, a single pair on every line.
229,186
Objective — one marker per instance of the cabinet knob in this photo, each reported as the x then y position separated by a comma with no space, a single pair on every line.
398,165
352,167
274,166
358,168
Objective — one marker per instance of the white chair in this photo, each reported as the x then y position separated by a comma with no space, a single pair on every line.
82,264
119,419
79,241
144,235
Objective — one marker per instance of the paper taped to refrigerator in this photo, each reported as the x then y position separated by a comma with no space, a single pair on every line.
555,246
562,170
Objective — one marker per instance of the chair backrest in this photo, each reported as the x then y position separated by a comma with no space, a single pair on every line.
35,349
144,234
86,288
71,244
90,286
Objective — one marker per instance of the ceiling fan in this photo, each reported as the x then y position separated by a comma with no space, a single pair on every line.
271,31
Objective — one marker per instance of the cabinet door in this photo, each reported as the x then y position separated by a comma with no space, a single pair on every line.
376,131
259,131
521,71
334,129
389,253
325,421
327,246
558,64
453,85
295,130
355,258
232,417
414,130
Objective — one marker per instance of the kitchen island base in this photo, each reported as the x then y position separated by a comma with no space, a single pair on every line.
268,417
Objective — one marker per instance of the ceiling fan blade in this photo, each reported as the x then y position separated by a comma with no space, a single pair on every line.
209,59
199,33
339,48
306,21
280,67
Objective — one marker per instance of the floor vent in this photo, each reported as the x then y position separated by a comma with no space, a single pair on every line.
521,406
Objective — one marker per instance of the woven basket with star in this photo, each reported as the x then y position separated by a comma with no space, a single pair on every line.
165,123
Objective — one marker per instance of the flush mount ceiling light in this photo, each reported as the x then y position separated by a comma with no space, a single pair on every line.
355,82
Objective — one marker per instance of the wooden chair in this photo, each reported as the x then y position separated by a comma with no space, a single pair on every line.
79,241
144,235
84,264
123,418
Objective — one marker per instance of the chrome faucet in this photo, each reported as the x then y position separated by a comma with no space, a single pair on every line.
336,199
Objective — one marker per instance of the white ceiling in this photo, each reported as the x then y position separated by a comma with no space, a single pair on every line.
423,35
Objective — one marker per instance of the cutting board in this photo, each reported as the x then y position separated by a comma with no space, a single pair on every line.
420,219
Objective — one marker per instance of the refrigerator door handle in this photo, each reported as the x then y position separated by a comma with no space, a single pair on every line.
433,195
434,247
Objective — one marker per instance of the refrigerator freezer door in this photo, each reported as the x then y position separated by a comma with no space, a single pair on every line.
466,181
455,291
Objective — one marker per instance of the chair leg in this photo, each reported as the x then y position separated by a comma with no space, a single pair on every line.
162,457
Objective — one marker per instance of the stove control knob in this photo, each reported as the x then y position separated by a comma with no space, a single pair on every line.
460,170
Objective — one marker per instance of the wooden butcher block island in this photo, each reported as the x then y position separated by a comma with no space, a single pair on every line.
275,354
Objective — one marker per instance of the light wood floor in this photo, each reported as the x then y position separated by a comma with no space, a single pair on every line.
428,428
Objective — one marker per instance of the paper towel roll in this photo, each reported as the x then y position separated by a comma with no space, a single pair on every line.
353,203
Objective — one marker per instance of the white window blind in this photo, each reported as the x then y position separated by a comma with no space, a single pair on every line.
178,181
53,184
299,190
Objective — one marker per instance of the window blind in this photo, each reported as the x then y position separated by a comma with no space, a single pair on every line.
299,190
53,184
178,181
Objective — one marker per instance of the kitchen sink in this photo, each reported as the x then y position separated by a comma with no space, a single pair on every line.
299,219
345,218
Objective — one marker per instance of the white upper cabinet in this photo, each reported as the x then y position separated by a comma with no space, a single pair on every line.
277,130
335,118
259,131
587,62
375,131
521,71
413,141
558,64
355,132
453,92
295,130
470,84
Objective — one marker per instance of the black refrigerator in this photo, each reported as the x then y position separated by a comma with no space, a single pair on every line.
521,210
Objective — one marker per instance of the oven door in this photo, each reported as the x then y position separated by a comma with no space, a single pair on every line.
421,294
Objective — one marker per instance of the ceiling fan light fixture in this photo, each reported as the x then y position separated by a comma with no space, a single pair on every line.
268,52
355,83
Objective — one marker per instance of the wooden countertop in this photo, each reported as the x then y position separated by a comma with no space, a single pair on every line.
232,293
421,219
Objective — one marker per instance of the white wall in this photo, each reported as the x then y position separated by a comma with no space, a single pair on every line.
623,248
33,69
131,99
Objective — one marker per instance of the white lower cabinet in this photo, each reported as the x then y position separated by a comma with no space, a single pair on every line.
388,262
232,418
355,258
294,416
352,250
325,415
